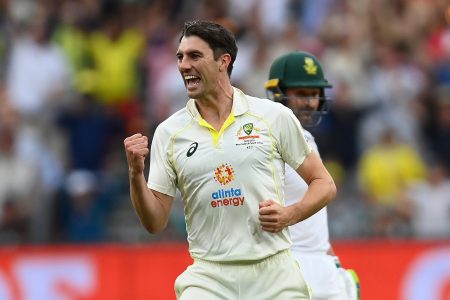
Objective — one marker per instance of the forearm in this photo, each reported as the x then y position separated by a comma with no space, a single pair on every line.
149,208
320,192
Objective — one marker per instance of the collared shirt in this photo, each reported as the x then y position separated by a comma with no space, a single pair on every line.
224,175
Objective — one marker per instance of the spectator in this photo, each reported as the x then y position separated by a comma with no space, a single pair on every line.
38,76
115,52
91,132
427,205
82,210
18,198
439,127
385,170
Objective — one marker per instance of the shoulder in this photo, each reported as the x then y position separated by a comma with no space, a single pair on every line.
278,117
173,124
266,108
262,104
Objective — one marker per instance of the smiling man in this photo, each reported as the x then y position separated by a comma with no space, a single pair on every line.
226,153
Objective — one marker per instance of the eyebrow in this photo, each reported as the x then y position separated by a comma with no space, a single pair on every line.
189,52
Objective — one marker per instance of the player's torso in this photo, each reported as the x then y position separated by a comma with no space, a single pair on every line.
199,158
222,180
217,175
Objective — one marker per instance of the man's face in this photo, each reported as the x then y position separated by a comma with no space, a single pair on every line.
197,66
303,102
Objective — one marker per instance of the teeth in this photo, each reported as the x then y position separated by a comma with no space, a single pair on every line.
189,77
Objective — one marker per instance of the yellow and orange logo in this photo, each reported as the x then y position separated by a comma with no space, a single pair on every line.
224,174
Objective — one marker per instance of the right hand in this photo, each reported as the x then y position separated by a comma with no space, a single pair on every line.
272,216
136,148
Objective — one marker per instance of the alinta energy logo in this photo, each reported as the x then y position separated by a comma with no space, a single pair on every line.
224,175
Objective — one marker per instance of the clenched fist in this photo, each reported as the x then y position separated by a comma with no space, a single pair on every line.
272,216
136,148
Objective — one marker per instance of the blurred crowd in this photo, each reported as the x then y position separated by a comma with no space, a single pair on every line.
78,76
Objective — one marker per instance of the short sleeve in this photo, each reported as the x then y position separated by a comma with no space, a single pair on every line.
292,143
162,177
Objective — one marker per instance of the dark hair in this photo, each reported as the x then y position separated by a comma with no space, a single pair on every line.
219,39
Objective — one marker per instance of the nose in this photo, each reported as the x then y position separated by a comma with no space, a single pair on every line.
183,64
311,102
307,103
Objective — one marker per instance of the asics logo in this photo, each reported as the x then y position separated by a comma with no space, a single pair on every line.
192,149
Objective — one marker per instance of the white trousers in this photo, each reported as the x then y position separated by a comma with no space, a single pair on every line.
326,280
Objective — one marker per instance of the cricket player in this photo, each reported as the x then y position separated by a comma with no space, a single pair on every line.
296,80
226,153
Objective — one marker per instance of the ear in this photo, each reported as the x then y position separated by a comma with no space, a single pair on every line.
225,61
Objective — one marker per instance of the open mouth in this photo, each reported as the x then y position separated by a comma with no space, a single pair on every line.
191,81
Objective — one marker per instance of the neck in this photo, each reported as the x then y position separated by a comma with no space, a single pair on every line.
216,108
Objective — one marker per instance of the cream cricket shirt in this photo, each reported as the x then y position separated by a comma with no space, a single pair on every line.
223,176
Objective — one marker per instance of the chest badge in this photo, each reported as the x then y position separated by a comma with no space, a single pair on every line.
250,136
248,128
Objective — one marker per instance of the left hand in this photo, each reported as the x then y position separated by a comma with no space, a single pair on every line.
273,216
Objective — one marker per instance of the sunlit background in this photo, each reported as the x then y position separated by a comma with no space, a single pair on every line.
78,76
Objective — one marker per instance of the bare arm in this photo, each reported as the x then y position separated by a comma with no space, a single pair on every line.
152,207
321,190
